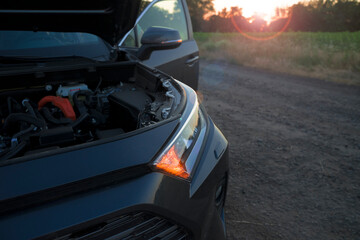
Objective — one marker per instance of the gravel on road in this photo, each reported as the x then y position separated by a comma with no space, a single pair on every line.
294,153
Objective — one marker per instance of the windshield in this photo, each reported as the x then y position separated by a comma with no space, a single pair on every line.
52,44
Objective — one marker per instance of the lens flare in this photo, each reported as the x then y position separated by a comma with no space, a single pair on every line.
262,38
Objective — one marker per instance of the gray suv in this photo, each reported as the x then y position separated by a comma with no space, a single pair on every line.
101,135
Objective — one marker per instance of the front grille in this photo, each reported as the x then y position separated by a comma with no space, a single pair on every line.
134,226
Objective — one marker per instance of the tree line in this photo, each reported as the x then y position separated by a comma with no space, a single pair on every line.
313,16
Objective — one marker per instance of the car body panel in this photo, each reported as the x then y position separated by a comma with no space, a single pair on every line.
174,62
152,192
212,154
110,19
51,171
57,193
183,62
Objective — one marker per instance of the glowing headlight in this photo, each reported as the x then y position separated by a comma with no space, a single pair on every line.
176,160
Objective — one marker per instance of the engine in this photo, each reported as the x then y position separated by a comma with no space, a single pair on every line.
60,115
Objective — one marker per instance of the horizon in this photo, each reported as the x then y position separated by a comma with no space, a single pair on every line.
266,9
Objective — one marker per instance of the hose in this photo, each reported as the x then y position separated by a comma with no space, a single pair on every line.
52,119
78,121
11,100
23,117
9,104
81,108
39,116
25,131
14,140
13,152
28,106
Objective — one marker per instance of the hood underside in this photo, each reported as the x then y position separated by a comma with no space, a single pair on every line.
108,19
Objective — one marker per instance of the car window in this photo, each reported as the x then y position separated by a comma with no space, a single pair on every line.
164,13
130,41
143,5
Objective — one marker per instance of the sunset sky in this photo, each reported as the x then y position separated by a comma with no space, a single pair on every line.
264,8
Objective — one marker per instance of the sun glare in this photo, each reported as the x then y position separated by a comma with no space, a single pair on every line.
263,8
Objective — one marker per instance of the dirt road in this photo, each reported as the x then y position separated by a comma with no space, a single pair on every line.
295,153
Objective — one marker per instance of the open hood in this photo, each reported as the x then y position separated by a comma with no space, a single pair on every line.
108,19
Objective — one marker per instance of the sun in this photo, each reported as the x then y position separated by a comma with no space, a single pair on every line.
263,8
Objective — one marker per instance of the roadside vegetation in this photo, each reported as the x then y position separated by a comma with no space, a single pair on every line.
321,38
328,56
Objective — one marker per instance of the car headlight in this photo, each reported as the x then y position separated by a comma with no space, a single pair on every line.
179,157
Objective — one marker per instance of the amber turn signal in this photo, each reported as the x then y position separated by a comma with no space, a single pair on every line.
171,163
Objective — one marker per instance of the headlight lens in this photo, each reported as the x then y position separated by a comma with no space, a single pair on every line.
174,159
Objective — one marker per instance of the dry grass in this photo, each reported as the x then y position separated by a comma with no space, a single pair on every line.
329,56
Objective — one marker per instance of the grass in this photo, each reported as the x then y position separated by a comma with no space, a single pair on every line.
329,56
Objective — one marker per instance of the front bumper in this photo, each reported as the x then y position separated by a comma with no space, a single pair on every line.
192,206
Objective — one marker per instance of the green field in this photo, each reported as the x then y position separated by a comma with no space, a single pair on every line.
328,56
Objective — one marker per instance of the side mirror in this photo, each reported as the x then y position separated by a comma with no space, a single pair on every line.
158,38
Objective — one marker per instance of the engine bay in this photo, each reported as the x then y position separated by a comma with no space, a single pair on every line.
64,112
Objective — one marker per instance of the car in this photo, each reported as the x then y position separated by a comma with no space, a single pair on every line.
100,135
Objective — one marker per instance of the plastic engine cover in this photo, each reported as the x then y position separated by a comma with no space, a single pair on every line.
132,99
